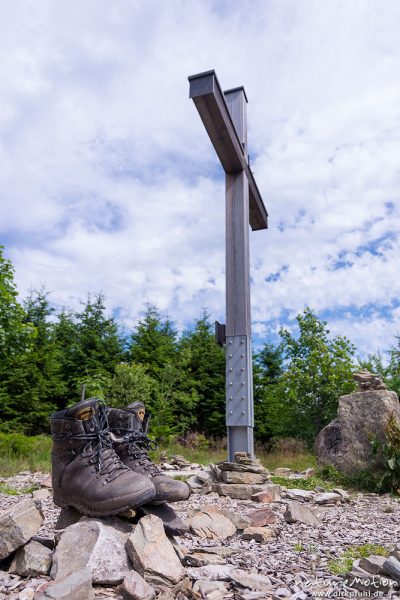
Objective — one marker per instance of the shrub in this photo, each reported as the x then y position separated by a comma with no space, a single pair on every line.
390,452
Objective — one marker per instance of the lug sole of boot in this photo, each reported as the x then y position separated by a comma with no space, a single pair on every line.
89,511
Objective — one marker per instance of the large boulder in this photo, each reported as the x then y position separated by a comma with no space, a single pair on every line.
346,442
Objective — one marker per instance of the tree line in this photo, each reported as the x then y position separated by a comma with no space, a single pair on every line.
47,357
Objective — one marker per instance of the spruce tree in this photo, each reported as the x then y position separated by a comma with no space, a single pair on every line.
206,376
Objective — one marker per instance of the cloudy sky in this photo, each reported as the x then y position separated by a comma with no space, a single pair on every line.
108,181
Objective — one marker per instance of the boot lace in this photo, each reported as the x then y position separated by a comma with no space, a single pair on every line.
139,445
99,449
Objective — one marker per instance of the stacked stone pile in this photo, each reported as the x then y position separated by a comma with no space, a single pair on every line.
242,479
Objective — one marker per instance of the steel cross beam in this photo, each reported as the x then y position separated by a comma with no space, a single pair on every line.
224,115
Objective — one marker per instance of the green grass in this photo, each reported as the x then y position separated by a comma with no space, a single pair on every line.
343,564
298,462
203,456
21,453
308,483
10,491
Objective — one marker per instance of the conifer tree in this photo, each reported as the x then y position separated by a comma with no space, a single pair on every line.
206,370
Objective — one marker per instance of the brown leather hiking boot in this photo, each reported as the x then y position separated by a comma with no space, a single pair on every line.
87,473
129,427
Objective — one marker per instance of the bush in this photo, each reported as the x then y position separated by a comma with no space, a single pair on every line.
390,453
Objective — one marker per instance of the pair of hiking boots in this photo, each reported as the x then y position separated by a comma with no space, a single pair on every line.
100,462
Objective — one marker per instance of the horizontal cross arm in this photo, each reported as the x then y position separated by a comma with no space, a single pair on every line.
209,99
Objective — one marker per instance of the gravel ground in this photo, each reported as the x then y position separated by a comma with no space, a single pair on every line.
296,560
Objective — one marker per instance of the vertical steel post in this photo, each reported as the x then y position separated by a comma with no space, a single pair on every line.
239,373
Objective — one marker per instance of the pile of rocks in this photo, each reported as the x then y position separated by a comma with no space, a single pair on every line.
218,548
177,462
242,479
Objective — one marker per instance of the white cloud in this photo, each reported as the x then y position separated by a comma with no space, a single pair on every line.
108,181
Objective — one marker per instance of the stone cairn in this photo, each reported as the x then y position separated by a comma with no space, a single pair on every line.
345,442
243,478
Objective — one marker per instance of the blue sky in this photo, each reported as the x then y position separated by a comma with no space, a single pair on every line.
109,182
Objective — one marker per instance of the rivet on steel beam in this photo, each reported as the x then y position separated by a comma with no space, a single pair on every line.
231,412
242,355
243,397
242,369
242,341
243,412
242,382
230,368
230,342
231,383
230,397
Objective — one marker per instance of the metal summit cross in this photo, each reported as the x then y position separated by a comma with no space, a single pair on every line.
224,115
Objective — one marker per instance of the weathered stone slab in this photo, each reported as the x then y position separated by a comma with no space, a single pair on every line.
298,513
297,494
211,523
367,583
243,491
42,494
391,566
343,493
18,525
327,498
244,477
76,585
101,544
255,467
251,581
32,559
211,572
172,522
152,554
134,587
262,497
259,534
261,517
201,559
373,564
208,587
240,521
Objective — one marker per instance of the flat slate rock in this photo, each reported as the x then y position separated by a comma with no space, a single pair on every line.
172,522
31,560
96,544
201,559
211,523
298,513
18,525
259,534
76,585
261,517
152,554
244,477
134,587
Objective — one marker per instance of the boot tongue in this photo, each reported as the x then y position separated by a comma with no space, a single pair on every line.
84,410
138,409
